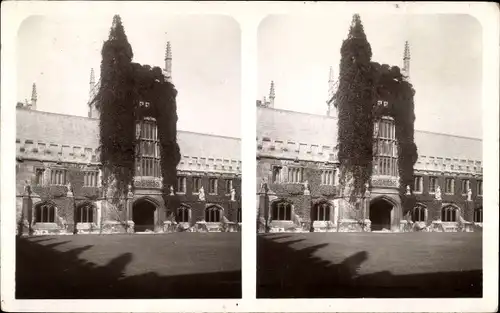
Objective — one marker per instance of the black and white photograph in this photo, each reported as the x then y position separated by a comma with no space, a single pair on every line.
369,173
127,183
211,156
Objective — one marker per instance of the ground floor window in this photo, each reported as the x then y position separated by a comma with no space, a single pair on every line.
322,211
281,211
449,214
238,217
183,214
45,213
478,215
418,214
85,213
213,214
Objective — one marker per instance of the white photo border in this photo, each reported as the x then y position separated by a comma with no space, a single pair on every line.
249,16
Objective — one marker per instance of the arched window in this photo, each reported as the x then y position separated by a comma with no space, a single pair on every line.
85,213
478,215
238,217
321,211
183,214
418,214
281,211
45,213
449,214
213,214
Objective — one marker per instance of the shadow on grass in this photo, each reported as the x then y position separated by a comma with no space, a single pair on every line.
45,273
285,272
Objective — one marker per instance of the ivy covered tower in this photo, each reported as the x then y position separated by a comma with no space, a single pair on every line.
139,154
375,135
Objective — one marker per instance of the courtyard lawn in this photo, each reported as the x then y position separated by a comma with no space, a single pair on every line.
369,265
178,265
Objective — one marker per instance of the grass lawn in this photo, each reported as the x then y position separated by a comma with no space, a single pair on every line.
178,265
323,265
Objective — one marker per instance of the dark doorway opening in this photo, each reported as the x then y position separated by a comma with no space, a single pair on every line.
143,215
380,215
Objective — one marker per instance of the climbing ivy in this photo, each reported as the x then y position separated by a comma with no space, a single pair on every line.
124,85
354,99
361,84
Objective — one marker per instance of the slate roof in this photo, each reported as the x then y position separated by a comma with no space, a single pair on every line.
279,124
84,132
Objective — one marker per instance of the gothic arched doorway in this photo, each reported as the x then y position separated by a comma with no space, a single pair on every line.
143,215
380,214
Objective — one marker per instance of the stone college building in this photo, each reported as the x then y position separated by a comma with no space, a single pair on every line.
52,149
448,184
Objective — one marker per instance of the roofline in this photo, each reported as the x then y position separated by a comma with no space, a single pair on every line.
95,119
334,118
297,112
450,135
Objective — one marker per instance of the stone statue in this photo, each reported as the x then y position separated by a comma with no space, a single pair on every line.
469,194
408,190
201,194
172,193
306,188
130,194
69,193
438,193
367,190
233,194
27,186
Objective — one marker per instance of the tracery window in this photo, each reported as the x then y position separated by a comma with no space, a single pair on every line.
148,148
213,214
45,213
322,211
478,215
418,213
281,211
449,214
85,213
183,214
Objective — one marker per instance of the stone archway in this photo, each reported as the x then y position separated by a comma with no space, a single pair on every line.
381,213
144,215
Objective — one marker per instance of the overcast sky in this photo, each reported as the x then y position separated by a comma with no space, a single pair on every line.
57,53
446,63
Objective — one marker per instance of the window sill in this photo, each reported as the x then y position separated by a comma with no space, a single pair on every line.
45,225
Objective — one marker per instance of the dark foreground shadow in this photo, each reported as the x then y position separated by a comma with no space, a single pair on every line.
284,272
45,273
